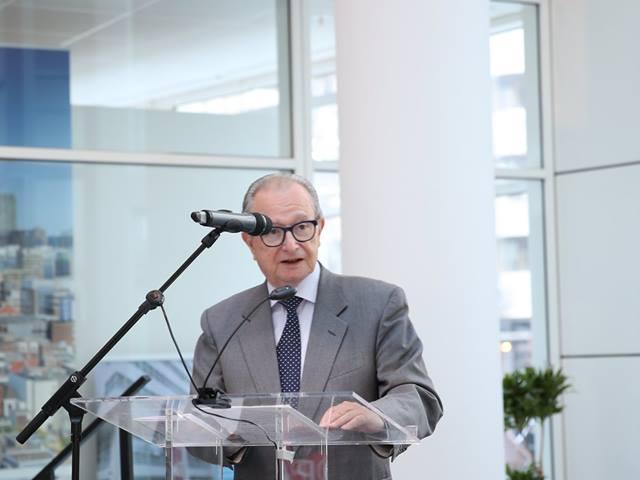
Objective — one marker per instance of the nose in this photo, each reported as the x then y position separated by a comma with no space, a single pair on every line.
290,243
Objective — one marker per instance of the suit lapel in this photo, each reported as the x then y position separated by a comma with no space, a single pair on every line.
327,332
258,344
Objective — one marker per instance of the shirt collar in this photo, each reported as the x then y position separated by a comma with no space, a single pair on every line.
307,289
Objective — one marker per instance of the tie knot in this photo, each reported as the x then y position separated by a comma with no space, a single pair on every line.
291,304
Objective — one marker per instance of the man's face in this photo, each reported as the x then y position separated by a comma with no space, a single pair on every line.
292,261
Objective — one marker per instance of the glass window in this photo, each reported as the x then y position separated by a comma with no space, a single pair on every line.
324,108
521,280
515,85
517,144
156,76
522,294
324,127
328,186
80,246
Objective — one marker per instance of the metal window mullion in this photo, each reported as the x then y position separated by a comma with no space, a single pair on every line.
522,174
160,159
326,166
557,446
524,2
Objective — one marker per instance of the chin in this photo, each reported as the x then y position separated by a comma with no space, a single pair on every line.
293,279
293,276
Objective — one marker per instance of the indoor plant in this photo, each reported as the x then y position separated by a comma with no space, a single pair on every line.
531,395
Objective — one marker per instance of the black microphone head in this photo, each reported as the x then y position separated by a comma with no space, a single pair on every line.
199,217
263,224
282,293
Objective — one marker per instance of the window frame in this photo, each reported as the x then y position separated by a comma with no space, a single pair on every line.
546,174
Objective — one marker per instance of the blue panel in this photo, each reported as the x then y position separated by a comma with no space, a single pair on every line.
34,98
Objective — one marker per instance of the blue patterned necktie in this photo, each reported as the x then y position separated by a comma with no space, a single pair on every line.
289,349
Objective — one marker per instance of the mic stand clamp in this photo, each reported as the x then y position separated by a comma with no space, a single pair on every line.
153,299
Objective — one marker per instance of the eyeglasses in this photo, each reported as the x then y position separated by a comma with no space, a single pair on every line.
301,231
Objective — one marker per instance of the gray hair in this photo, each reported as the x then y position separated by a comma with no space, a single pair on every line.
280,179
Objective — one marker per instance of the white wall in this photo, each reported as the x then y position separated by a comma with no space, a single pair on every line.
598,238
599,226
596,73
417,205
601,418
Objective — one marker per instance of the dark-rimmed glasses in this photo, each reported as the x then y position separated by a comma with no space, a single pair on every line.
301,231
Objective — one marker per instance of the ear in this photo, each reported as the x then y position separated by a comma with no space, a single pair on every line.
319,228
247,239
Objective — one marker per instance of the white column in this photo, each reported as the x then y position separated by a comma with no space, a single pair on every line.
417,204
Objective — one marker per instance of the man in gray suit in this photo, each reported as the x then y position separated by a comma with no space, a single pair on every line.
343,333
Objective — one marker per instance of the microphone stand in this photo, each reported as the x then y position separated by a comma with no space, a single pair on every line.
69,389
126,471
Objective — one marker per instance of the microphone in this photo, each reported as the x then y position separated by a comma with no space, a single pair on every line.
212,397
227,221
281,293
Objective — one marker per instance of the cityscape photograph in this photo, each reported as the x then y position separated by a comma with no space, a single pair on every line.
36,307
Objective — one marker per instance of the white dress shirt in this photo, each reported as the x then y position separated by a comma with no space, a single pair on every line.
308,291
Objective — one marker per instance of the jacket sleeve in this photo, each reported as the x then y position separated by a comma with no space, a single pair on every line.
406,392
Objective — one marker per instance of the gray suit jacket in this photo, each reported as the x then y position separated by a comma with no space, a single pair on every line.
361,340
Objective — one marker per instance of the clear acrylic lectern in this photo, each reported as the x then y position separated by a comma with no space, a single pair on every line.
284,421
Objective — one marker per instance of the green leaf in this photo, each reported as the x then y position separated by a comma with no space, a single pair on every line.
532,394
532,473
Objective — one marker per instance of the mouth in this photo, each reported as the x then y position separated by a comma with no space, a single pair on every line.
292,261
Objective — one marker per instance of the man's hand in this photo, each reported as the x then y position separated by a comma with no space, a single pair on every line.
352,416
